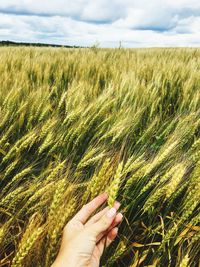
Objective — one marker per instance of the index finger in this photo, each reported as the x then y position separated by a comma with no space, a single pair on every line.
86,211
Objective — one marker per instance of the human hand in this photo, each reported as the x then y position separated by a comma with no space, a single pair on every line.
84,238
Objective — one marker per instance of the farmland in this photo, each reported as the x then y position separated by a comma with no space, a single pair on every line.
78,122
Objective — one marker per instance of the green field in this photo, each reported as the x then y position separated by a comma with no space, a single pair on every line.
78,122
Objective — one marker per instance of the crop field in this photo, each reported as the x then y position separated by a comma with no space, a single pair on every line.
78,122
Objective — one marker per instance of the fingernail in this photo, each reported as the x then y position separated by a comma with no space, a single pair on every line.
116,230
121,215
117,203
111,213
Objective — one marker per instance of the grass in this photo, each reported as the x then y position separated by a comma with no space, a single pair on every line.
77,122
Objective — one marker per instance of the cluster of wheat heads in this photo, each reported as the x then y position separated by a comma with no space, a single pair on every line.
78,122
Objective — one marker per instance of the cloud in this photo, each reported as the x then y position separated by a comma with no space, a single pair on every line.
188,25
83,22
151,19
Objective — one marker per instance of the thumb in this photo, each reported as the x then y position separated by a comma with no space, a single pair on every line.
104,223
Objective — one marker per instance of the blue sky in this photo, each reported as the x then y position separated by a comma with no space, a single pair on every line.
141,23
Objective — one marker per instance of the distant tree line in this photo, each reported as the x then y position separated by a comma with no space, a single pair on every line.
10,43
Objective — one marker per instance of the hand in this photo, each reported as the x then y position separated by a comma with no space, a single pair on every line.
83,239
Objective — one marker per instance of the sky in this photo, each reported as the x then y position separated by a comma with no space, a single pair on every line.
134,23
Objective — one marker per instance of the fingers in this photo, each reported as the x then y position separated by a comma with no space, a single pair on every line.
116,221
109,238
96,217
90,207
103,223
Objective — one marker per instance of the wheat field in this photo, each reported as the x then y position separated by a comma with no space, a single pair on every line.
78,122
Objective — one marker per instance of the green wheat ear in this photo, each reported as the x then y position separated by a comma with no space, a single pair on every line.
115,185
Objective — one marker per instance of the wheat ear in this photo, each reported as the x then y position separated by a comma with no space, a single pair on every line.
115,185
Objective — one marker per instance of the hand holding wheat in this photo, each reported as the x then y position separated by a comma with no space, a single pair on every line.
83,238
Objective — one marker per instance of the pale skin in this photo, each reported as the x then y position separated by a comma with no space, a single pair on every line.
84,235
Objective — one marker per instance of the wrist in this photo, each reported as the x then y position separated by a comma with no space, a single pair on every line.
61,264
67,261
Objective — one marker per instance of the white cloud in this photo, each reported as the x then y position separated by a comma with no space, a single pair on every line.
188,25
154,19
82,22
